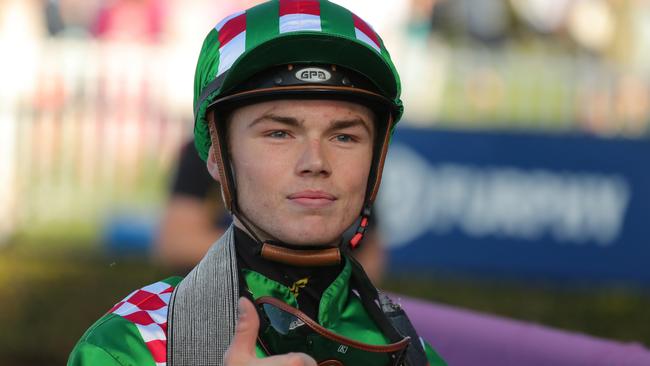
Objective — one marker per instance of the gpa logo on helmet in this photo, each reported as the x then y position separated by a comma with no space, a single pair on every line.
313,75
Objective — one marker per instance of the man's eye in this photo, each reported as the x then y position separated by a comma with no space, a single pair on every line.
278,134
344,138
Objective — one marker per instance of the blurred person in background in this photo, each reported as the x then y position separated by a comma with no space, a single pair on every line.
295,105
194,218
71,18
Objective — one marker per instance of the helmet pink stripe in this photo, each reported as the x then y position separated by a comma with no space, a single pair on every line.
227,19
232,28
365,28
311,7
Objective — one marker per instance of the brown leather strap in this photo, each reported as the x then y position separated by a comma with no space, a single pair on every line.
381,160
303,257
331,363
217,151
393,347
302,88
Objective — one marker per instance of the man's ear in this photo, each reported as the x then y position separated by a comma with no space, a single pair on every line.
213,166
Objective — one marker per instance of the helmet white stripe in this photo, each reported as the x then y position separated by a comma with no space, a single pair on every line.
365,39
230,52
299,22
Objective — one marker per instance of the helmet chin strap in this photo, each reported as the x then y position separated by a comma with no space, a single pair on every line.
300,256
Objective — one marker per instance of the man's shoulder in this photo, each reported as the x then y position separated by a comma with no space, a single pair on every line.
133,331
148,299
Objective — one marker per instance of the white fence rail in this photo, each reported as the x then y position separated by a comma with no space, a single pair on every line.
100,124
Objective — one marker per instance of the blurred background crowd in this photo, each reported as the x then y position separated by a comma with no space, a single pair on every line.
96,103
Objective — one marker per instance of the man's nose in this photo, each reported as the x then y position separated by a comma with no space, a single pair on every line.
313,160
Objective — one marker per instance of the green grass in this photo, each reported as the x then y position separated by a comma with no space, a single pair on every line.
50,298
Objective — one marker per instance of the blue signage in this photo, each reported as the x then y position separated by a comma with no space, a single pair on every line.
518,204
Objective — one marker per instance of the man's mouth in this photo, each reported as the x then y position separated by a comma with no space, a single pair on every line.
312,198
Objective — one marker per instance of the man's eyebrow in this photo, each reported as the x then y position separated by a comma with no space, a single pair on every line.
346,123
290,121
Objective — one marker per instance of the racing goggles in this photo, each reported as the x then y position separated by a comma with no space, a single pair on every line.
285,329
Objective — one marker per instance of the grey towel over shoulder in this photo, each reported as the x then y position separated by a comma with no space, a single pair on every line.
203,308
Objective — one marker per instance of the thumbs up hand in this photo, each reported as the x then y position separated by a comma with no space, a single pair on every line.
242,349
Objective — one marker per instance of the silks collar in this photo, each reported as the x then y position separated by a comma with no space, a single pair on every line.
332,302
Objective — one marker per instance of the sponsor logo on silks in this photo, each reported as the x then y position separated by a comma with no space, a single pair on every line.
343,349
313,75
295,288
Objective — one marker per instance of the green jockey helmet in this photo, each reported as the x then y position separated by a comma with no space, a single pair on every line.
293,49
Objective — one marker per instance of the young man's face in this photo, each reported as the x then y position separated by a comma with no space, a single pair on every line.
301,167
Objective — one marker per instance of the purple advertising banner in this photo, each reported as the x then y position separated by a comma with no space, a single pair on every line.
468,338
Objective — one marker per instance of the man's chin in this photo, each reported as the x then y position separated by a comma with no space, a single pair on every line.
312,238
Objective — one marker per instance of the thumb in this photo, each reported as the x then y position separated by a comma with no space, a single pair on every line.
242,347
